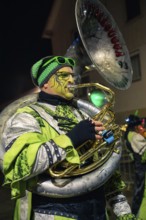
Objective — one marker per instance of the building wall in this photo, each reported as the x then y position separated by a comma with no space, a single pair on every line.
134,33
61,25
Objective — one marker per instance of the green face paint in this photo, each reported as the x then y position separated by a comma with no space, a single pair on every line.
59,83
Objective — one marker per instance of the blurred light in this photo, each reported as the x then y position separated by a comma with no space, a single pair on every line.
127,120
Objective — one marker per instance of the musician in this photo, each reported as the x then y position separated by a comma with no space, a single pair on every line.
135,137
46,132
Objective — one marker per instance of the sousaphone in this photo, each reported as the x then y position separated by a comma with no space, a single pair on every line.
100,47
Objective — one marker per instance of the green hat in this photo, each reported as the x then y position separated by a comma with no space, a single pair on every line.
43,69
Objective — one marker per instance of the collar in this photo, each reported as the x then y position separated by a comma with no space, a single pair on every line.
53,99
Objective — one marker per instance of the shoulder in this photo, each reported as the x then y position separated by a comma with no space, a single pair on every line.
24,117
136,138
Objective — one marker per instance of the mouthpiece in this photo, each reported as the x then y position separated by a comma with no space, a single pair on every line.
72,86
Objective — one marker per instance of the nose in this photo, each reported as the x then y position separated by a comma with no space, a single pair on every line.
71,79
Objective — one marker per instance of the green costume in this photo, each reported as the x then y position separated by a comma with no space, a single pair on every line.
44,133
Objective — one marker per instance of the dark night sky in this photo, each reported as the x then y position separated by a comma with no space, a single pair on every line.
21,44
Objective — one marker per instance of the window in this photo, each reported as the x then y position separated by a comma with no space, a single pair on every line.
132,8
135,60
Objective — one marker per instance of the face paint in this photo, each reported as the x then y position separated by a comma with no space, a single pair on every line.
58,83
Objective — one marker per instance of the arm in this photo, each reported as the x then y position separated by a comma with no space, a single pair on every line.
24,138
30,149
26,155
138,144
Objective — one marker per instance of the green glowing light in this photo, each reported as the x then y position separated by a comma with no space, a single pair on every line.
97,98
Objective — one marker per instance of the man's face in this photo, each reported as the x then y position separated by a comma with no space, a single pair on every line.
59,82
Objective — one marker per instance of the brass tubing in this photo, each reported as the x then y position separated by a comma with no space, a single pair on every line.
107,116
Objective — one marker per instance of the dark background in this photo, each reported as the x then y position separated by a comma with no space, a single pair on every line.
21,44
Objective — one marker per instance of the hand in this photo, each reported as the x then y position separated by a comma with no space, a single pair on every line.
128,217
85,130
98,126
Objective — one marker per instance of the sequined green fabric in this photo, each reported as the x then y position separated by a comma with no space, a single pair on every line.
65,117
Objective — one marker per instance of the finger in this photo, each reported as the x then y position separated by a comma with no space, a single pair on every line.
98,137
98,129
99,132
97,123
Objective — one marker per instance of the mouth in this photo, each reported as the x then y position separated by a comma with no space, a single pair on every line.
71,88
